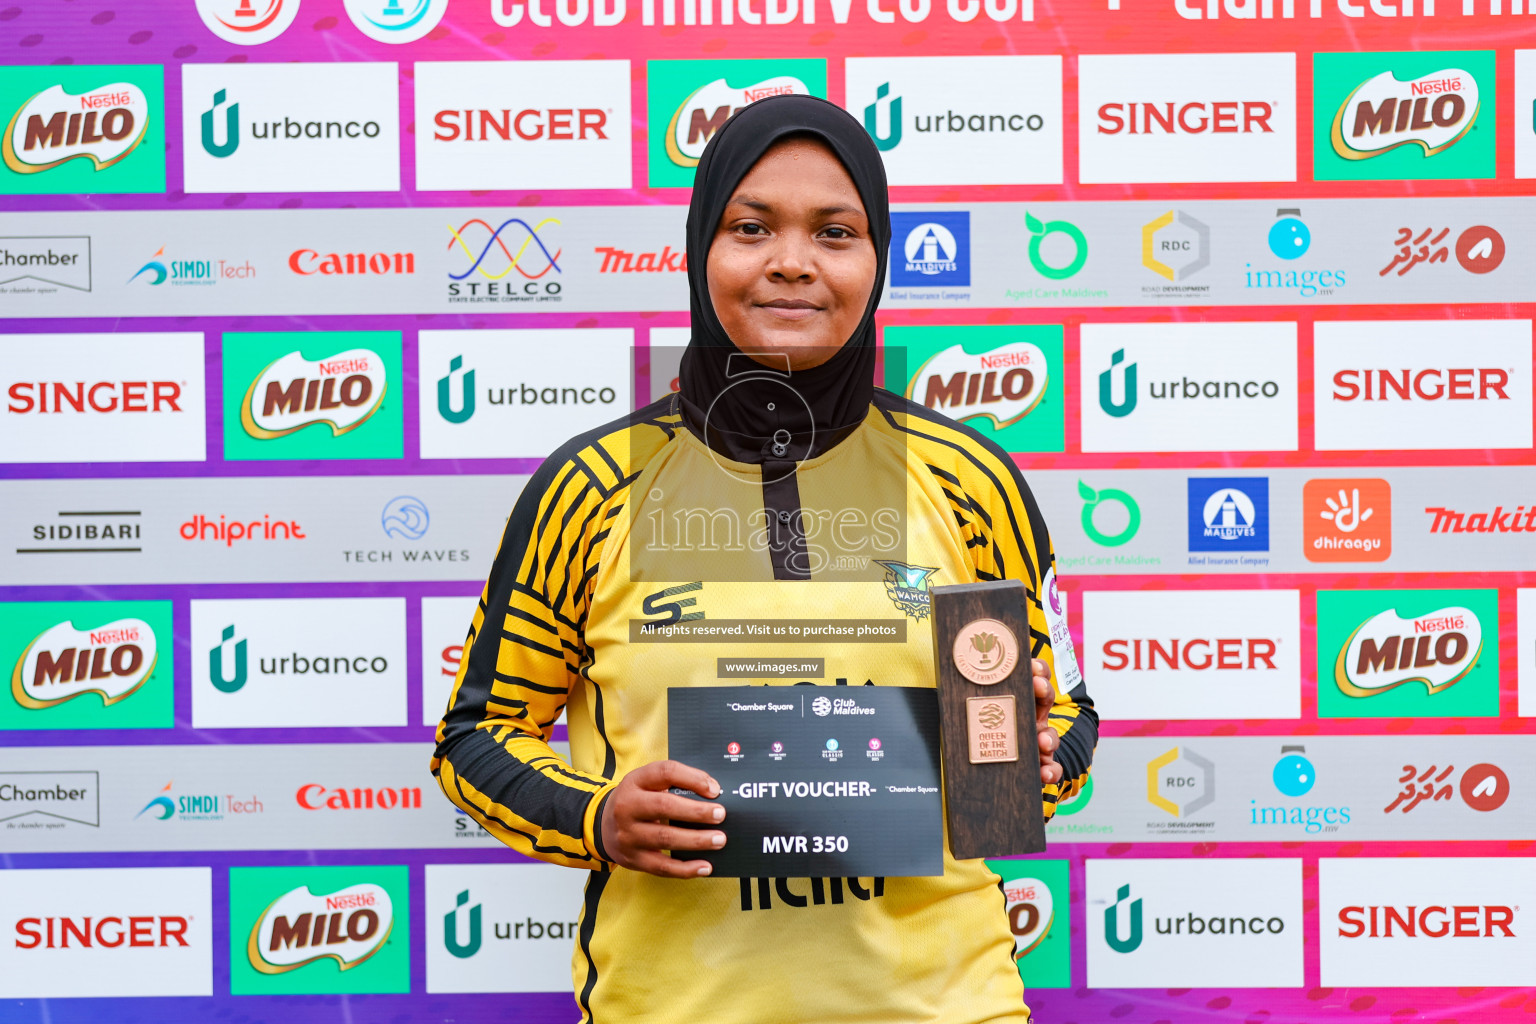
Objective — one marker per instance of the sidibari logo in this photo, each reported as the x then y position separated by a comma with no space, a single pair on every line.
466,407
300,927
292,393
63,663
1039,231
1383,113
102,126
1387,651
1132,940
891,137
1003,385
451,941
247,22
705,110
1093,500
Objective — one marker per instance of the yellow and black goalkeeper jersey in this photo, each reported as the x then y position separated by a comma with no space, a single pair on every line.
552,635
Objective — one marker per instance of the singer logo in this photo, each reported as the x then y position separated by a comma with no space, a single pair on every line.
1002,386
102,126
1388,651
300,927
63,663
1347,520
292,393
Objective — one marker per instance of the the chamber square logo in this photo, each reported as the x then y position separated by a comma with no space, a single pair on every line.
1386,116
1004,381
689,100
87,665
1407,653
319,930
96,128
313,395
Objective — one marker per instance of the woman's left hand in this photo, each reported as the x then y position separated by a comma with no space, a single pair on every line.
1045,698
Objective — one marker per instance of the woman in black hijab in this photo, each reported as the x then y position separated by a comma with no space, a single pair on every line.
779,483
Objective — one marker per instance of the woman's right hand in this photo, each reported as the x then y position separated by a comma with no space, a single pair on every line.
637,818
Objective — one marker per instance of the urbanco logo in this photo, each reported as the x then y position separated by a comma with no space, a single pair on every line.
992,120
1421,114
1396,385
523,124
1347,520
106,932
248,22
1407,653
1187,117
104,664
1228,513
1001,380
1208,922
499,927
395,21
319,930
1195,654
687,101
1189,387
298,662
85,129
300,127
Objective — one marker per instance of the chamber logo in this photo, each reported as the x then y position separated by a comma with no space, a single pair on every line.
890,138
907,587
292,392
705,111
1229,513
466,390
63,663
1383,113
103,126
1068,233
1388,651
247,22
68,796
300,927
471,946
60,260
1132,940
396,21
1002,385
1109,498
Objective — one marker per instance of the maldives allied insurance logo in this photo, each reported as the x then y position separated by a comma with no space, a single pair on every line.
87,129
931,249
247,22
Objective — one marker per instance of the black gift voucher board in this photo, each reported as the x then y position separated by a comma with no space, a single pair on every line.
817,781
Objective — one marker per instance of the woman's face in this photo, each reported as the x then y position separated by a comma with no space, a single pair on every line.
792,264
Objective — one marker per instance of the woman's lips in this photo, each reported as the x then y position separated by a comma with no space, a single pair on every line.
790,309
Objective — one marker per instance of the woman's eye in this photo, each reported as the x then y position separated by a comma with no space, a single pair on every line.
751,229
835,232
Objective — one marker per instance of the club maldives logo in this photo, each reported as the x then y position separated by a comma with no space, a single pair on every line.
301,927
247,22
101,126
705,111
292,392
1002,385
396,21
493,254
62,663
1386,651
1432,111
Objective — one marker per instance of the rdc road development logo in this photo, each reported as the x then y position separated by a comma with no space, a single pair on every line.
248,22
319,930
396,21
1407,653
1180,783
688,101
1175,246
1228,514
1002,381
931,249
82,129
87,665
1384,116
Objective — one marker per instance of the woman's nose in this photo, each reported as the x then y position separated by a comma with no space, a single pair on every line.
793,257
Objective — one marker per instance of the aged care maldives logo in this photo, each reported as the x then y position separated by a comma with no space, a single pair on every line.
113,661
102,125
300,927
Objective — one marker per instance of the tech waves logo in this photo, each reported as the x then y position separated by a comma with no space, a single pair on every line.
300,927
494,253
1383,113
1003,385
103,126
291,393
1387,651
247,22
63,663
704,111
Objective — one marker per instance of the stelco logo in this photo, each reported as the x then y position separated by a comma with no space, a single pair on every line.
1003,385
64,662
299,928
704,111
1197,118
292,393
102,126
1383,113
530,125
1387,651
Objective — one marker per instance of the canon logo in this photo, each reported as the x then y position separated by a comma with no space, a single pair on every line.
1429,385
1224,654
1435,922
1195,118
101,396
309,261
568,124
315,797
106,932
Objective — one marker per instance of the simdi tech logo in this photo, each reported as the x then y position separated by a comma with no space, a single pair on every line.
314,930
87,665
687,101
1407,654
1002,380
88,129
313,395
1413,115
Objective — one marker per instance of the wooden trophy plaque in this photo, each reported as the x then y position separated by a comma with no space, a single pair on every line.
992,790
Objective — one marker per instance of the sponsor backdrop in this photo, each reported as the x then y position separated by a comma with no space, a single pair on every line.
297,293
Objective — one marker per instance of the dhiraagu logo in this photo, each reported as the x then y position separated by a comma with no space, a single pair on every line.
687,101
1036,899
315,395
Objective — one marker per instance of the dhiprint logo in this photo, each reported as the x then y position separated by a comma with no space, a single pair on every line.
102,126
1110,498
1229,513
1289,236
499,927
466,390
1040,233
248,22
492,254
931,249
1347,520
396,21
405,517
60,261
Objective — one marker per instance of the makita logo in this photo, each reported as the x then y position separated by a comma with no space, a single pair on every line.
530,125
113,661
1432,922
300,927
1230,653
1387,651
1235,117
94,396
617,261
1382,113
1521,520
1456,385
136,932
104,126
1003,385
293,392
327,264
315,797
